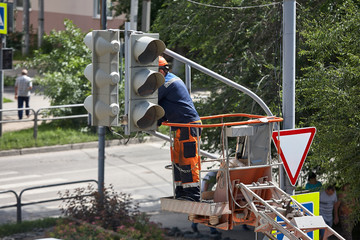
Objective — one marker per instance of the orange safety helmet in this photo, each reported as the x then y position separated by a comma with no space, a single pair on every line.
162,61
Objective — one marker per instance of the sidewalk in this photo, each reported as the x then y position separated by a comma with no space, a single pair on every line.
37,101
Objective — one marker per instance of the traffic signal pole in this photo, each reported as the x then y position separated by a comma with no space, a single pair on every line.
101,129
1,79
2,42
289,43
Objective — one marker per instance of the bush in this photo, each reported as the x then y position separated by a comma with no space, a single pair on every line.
114,211
70,230
9,81
26,226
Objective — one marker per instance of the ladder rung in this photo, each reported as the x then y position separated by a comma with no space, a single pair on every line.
260,187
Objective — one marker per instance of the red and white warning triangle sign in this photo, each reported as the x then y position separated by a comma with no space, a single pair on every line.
293,146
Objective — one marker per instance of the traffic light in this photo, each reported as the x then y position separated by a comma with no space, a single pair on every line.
7,58
103,73
142,81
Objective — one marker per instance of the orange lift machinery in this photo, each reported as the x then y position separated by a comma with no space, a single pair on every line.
245,192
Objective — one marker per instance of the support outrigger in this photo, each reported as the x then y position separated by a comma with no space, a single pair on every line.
245,192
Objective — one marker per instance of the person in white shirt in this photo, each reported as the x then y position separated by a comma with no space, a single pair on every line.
23,86
329,204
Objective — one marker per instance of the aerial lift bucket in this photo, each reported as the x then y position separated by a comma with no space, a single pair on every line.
245,193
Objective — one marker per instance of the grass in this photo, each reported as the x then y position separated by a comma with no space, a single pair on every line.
26,226
48,135
6,100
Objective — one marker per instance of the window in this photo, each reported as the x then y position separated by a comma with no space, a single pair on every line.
97,8
20,3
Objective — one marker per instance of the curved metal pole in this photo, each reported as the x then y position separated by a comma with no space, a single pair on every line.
225,80
188,77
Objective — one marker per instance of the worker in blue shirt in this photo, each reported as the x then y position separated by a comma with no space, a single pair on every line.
175,99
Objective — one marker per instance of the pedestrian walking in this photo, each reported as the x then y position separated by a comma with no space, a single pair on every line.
329,208
23,86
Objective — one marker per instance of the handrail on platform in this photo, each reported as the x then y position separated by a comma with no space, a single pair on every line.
259,119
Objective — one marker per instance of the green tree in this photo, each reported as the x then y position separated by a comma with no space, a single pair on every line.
329,92
61,63
240,43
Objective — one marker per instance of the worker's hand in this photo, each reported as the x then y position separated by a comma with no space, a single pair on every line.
336,220
16,97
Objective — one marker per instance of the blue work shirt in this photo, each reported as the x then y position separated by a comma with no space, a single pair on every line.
175,99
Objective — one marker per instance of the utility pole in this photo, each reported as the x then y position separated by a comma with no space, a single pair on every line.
289,43
134,14
145,17
41,23
26,24
103,14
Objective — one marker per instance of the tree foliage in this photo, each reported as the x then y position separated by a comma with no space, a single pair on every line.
329,92
242,44
61,63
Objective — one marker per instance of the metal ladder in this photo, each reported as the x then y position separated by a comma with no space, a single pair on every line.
295,221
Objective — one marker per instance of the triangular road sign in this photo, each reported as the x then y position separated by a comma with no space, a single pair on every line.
293,146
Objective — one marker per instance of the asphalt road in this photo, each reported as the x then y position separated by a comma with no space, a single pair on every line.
136,169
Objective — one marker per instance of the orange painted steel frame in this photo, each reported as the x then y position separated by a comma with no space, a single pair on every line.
259,119
239,175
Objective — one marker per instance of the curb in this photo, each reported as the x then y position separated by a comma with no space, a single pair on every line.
75,146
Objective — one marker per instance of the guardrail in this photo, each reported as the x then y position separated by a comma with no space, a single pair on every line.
18,204
39,112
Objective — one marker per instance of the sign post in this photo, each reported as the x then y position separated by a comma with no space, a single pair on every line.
293,146
3,31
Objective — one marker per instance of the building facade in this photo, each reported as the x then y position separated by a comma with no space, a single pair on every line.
85,14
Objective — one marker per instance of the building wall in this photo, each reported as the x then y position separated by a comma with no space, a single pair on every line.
81,12
74,7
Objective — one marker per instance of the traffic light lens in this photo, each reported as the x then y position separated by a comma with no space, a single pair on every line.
145,82
149,86
150,53
148,119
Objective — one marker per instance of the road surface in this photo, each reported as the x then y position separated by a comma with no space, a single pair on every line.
137,169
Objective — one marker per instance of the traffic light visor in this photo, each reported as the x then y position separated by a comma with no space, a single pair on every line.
146,114
147,49
146,82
